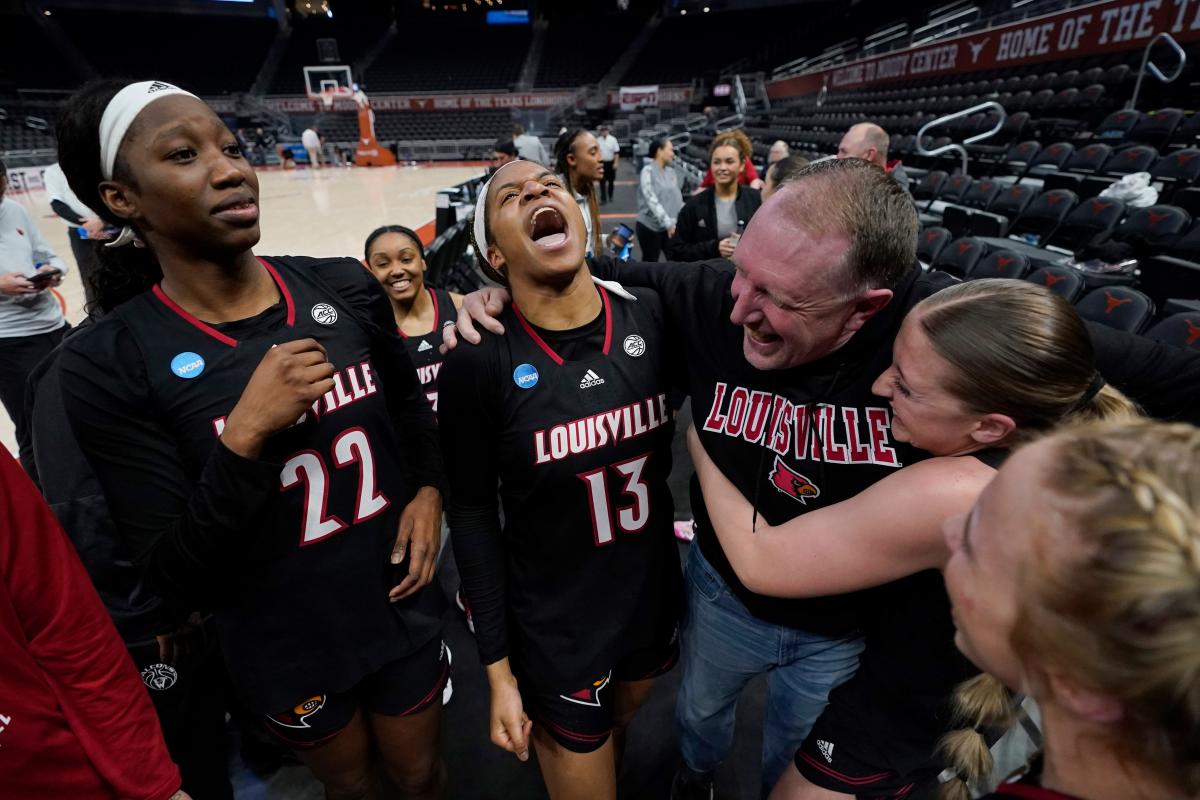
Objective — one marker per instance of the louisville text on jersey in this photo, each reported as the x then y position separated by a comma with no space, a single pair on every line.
599,430
349,386
429,372
834,434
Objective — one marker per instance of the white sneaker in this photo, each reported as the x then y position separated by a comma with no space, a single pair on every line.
448,690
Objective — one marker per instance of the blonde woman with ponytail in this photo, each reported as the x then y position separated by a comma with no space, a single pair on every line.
1076,579
977,368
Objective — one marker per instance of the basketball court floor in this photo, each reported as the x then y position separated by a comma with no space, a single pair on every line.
329,213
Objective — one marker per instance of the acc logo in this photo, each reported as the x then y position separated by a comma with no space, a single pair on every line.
159,677
324,313
187,365
792,483
297,717
525,376
634,345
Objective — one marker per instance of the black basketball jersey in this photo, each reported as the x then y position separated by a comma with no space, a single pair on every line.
425,351
584,450
305,610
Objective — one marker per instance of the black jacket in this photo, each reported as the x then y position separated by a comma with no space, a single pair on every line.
695,236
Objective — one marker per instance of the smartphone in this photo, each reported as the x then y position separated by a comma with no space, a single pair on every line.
620,237
44,279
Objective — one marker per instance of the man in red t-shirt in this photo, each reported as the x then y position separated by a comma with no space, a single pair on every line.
75,720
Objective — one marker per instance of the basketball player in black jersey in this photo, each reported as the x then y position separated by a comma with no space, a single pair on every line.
396,258
576,599
262,441
879,735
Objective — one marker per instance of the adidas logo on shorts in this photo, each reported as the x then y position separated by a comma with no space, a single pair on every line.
590,379
826,749
424,345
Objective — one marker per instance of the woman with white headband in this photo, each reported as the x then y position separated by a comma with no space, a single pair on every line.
262,441
576,599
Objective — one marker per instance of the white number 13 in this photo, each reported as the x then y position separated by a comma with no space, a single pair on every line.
631,518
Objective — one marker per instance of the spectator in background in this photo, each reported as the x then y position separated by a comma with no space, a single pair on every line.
659,199
262,144
31,319
782,172
504,152
76,721
749,175
610,157
529,147
868,141
577,159
779,151
86,227
311,139
710,223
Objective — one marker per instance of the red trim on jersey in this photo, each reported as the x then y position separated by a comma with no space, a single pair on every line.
583,738
1030,791
191,320
283,290
433,297
204,327
833,773
547,349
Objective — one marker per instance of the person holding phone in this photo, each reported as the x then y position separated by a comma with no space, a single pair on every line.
31,318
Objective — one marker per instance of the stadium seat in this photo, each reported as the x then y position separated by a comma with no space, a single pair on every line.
959,256
1138,158
1166,277
1063,281
1118,125
1007,206
999,264
1181,330
1118,307
1044,214
1089,159
1150,230
1176,169
930,243
1157,127
1051,159
929,185
1188,245
1089,219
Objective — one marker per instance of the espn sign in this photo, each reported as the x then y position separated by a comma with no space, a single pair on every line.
632,98
1102,27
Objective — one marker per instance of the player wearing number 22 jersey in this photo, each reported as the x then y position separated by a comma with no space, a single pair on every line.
582,587
291,549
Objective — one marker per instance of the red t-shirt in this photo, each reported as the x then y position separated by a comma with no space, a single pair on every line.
75,719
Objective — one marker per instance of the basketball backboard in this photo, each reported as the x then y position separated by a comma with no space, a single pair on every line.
327,83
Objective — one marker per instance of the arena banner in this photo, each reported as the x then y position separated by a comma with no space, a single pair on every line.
21,179
1102,27
631,98
437,102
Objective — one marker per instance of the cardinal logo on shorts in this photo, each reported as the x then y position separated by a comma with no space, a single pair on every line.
297,716
792,483
589,696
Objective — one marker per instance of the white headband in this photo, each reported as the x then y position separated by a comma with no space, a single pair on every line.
120,113
480,230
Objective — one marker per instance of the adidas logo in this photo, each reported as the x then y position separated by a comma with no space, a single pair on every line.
158,86
424,345
590,379
826,749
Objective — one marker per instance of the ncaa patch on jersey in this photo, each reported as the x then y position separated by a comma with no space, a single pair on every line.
159,677
525,376
634,345
324,313
187,365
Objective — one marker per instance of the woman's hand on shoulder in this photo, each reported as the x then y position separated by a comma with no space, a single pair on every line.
481,307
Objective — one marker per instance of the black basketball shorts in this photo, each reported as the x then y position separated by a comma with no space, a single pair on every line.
400,688
829,758
581,718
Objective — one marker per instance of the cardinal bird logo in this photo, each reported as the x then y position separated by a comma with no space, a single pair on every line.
792,483
297,717
589,696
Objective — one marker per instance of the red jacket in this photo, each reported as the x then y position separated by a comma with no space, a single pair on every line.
75,719
747,176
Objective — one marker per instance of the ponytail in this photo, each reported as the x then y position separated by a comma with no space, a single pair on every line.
122,272
984,704
564,147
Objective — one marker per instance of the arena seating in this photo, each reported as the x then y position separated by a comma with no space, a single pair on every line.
126,43
353,37
487,124
436,56
24,58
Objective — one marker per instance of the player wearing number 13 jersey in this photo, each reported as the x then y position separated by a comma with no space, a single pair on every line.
262,441
578,595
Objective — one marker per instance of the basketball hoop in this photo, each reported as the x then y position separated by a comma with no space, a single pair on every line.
327,98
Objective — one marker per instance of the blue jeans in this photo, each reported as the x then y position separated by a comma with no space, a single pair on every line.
724,646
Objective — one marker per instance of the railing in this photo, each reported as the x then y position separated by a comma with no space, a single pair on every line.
726,124
961,149
1152,68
